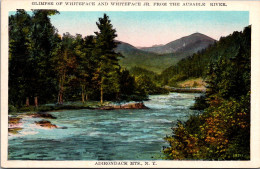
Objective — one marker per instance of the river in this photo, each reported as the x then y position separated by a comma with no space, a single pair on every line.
103,134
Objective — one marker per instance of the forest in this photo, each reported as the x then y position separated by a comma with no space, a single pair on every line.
197,64
45,67
222,130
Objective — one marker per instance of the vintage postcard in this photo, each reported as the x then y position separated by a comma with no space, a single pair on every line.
130,84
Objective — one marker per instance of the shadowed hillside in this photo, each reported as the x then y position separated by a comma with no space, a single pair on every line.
158,58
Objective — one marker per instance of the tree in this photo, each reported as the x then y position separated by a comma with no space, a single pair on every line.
108,66
86,64
44,41
65,61
19,55
127,84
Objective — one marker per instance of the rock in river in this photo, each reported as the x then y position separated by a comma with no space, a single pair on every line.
14,125
43,115
14,130
45,123
125,106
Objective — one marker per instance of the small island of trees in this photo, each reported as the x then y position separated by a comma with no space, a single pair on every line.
45,67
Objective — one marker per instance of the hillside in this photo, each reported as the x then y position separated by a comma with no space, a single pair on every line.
158,58
188,44
196,65
134,57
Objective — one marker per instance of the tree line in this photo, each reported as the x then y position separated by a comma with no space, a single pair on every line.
197,64
46,67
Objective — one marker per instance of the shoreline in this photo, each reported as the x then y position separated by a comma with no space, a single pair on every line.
185,90
91,105
95,105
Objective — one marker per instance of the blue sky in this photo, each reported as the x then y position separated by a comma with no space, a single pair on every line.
147,28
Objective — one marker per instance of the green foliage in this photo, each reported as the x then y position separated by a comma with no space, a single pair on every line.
147,81
19,54
149,61
57,68
43,42
174,81
197,64
30,44
222,131
137,71
108,67
146,85
11,109
128,86
200,103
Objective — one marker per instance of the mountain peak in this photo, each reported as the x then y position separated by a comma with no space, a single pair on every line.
191,43
198,34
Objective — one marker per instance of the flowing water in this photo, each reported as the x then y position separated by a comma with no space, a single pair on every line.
103,134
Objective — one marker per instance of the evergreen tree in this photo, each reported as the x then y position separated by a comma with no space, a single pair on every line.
86,65
43,82
127,84
108,66
19,57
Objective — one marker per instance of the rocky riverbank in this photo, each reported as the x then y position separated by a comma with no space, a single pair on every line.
15,123
125,106
185,90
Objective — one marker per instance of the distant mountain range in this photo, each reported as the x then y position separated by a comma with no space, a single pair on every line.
193,43
159,57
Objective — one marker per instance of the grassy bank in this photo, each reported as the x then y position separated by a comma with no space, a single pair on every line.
192,83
